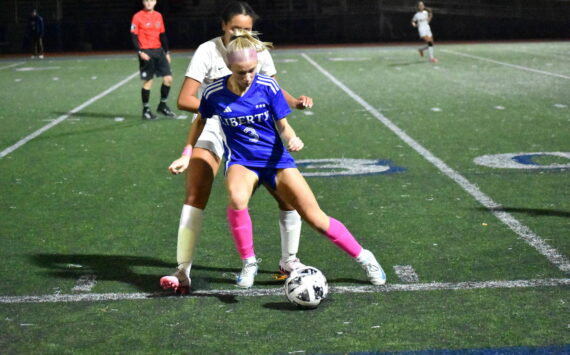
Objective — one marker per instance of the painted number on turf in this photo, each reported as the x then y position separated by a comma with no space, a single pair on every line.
525,160
346,167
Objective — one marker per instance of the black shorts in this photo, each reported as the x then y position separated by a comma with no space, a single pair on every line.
157,65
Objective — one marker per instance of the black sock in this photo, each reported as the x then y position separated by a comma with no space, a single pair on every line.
164,91
145,96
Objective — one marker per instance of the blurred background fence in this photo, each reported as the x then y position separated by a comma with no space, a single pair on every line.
95,25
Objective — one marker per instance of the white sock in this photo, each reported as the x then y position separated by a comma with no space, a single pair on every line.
290,228
188,236
251,259
430,51
363,256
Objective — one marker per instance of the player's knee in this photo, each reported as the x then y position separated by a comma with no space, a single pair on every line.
238,203
167,80
238,198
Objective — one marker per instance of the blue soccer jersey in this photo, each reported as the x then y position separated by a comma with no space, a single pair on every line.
248,122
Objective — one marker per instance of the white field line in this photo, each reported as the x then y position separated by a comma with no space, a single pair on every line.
506,64
62,118
406,273
85,283
521,230
11,65
278,291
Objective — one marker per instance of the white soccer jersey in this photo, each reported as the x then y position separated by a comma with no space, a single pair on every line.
421,19
208,64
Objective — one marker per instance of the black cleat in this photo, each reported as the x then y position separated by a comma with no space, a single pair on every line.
148,115
165,110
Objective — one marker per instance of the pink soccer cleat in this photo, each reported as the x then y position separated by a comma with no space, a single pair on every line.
178,282
434,60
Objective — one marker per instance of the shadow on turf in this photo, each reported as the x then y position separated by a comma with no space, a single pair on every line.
122,268
106,267
531,211
415,62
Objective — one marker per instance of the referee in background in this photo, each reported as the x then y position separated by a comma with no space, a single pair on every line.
149,39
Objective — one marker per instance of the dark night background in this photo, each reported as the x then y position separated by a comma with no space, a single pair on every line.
95,25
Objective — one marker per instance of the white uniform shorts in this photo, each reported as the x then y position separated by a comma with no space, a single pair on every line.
212,137
424,31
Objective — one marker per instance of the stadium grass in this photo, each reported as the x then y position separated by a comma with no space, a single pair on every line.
270,325
92,196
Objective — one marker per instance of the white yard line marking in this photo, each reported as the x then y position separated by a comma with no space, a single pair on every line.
506,64
278,291
62,118
11,65
85,283
406,273
523,231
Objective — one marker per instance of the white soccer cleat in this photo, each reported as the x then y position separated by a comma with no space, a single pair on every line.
247,274
287,266
178,282
374,271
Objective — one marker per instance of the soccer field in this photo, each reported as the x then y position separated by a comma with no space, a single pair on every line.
456,175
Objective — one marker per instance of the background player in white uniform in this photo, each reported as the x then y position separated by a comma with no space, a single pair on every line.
207,65
252,111
421,20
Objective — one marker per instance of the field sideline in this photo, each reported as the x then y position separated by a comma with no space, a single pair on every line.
458,181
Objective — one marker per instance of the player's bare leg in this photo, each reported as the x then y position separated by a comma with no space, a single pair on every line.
429,42
293,188
240,184
200,176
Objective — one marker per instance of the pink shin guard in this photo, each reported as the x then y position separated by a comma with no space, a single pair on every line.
242,231
341,236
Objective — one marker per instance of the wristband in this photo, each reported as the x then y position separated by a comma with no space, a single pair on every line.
187,151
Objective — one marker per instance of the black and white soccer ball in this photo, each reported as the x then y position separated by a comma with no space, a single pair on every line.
306,287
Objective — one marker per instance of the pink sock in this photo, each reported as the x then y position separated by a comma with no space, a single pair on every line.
342,237
242,231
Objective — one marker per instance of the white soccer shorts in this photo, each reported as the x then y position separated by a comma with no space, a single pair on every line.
211,137
424,31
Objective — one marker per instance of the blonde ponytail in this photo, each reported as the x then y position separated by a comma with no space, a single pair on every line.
242,39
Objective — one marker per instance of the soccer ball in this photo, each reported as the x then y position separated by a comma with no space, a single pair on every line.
306,287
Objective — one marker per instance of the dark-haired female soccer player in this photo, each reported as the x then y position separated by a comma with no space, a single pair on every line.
421,20
252,112
208,64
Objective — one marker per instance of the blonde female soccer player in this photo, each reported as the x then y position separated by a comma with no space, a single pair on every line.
207,65
421,21
252,112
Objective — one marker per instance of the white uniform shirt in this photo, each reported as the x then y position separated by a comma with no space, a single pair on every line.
421,19
208,63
